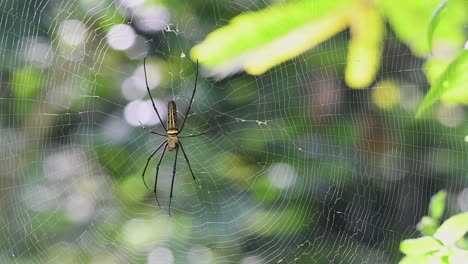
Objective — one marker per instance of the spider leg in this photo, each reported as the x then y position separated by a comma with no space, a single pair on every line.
193,135
191,101
147,162
188,163
151,97
152,132
173,177
157,172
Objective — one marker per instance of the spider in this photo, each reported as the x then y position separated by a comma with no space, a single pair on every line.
172,141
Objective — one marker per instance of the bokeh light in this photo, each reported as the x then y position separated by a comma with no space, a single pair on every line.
385,94
252,260
450,115
39,51
121,37
79,208
161,255
463,200
282,175
152,19
73,32
142,111
153,76
139,49
131,88
200,254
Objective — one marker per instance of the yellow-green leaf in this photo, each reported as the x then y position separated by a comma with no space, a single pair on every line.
420,246
453,229
365,47
422,259
452,85
410,21
446,27
435,19
427,225
437,205
259,40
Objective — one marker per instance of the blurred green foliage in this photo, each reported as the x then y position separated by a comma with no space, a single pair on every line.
357,167
449,82
429,224
444,244
260,40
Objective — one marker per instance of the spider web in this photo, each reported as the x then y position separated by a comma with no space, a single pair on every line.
294,168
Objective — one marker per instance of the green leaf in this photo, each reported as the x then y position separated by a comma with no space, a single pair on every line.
428,225
422,259
463,243
446,33
410,20
437,205
420,246
365,47
452,84
260,40
434,22
453,229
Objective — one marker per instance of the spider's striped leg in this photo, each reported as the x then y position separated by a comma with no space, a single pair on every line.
157,172
147,162
188,163
151,131
173,177
151,97
192,135
191,101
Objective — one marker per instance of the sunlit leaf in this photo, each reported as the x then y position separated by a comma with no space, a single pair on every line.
259,40
410,21
422,259
435,19
446,28
437,205
419,246
428,225
452,85
463,243
385,94
453,229
434,67
459,92
365,47
295,42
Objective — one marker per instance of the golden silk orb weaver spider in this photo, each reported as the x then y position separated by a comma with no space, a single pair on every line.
172,136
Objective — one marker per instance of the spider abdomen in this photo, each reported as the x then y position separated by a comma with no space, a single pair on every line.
171,116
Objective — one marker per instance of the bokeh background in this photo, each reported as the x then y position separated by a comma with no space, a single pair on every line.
295,166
